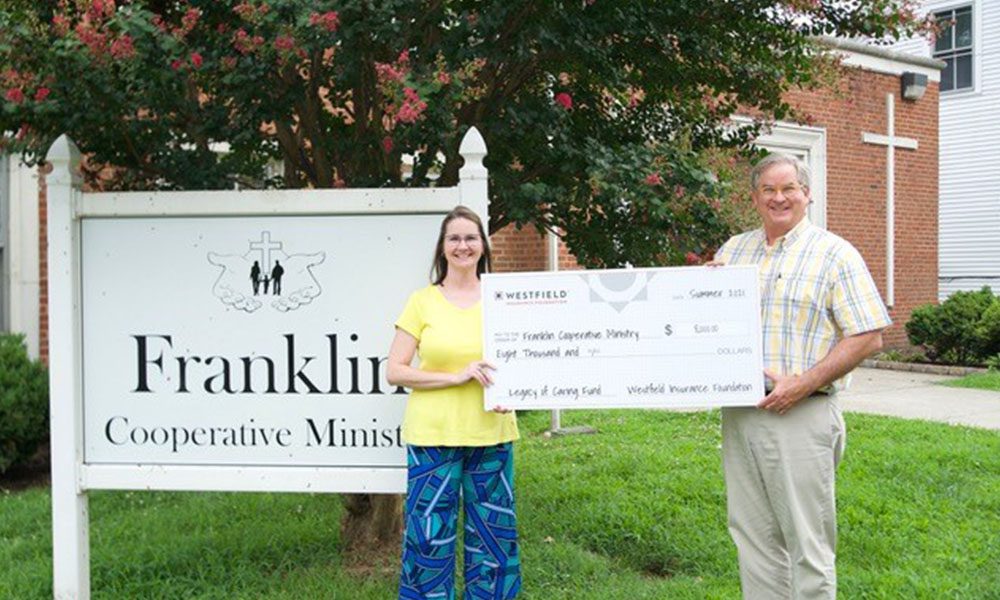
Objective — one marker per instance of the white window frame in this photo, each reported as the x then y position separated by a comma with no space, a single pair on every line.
977,42
954,53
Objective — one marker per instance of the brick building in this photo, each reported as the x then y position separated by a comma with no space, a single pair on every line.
849,176
841,144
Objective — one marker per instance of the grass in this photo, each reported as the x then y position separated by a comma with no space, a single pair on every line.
989,380
636,511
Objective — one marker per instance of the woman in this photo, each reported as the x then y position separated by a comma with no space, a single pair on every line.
455,448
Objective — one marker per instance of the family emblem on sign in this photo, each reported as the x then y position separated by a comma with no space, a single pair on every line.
271,272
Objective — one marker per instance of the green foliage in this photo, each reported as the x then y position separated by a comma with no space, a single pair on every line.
895,355
636,511
597,115
980,381
964,329
24,402
988,330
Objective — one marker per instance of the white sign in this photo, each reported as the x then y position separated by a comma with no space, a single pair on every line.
246,340
228,340
668,337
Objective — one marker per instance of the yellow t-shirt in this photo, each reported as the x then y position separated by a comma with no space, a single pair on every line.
448,339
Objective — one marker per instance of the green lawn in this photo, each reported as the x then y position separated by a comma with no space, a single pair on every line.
980,381
636,511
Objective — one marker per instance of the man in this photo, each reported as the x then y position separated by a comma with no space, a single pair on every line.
276,274
821,315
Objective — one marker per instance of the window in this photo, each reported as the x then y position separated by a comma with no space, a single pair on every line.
954,47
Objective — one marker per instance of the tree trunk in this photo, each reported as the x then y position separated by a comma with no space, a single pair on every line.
372,528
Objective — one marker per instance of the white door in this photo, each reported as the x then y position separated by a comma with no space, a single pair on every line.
809,145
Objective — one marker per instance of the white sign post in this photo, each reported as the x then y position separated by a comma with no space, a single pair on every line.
228,341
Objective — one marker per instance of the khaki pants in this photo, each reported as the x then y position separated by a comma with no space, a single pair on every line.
780,492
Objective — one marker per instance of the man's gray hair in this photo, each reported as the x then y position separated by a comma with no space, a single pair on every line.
771,160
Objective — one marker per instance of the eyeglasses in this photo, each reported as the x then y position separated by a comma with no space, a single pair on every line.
470,240
786,191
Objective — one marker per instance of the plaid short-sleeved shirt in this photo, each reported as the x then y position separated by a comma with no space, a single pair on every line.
815,289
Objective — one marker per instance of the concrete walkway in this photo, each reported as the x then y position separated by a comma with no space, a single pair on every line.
918,396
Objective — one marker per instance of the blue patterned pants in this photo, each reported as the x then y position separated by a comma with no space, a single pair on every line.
482,478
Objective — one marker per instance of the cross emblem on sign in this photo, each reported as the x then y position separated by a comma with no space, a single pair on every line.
265,245
891,142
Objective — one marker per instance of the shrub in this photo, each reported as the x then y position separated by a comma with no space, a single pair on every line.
954,331
988,330
24,402
906,356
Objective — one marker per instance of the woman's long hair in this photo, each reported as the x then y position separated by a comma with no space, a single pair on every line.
439,268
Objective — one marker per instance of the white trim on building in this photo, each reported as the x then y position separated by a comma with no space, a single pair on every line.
884,60
20,286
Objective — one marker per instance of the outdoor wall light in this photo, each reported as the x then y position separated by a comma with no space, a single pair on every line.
914,85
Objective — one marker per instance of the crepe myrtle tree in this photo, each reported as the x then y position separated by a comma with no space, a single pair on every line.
598,114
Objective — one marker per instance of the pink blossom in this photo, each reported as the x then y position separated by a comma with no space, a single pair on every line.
123,48
10,77
404,57
387,144
15,95
412,106
176,64
244,43
61,24
229,62
692,259
245,10
284,43
158,21
329,20
408,113
564,100
190,19
196,60
387,73
679,191
635,96
654,179
443,77
93,40
41,94
100,9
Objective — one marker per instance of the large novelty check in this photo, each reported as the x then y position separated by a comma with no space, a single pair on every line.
666,337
